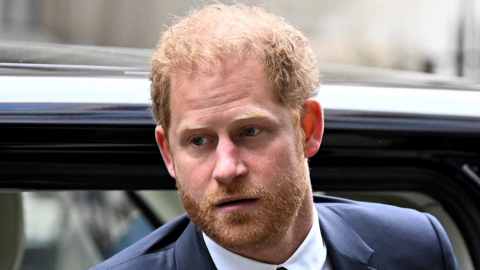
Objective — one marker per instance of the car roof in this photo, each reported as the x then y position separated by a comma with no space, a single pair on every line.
79,78
42,59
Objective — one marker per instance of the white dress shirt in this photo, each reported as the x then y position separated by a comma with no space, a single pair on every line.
311,254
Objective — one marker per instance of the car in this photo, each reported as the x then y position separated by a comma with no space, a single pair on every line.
81,176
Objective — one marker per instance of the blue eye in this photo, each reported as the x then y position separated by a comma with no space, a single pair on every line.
199,140
251,131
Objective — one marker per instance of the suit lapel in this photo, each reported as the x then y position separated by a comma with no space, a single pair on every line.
191,251
345,249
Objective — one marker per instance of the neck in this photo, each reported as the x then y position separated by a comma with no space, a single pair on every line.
294,237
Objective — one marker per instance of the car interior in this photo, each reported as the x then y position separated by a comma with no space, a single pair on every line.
11,230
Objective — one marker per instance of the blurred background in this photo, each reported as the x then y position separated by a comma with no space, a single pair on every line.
435,36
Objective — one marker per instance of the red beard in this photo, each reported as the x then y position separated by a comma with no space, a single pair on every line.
263,226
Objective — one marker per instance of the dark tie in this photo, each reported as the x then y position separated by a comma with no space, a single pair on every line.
282,268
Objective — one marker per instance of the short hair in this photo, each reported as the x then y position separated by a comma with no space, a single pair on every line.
217,34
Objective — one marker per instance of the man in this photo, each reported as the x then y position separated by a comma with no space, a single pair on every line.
232,91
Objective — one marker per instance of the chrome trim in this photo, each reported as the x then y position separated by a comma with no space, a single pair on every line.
471,173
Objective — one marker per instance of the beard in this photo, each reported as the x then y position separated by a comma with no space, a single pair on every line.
260,228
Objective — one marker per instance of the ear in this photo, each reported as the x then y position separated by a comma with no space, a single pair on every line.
312,125
162,143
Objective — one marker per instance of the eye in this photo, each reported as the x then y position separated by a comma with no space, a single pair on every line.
199,140
251,131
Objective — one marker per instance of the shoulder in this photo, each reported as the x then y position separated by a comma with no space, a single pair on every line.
375,214
381,217
388,230
155,251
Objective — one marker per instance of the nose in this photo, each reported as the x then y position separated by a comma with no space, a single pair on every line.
229,164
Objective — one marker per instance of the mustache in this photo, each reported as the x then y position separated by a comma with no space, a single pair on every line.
238,188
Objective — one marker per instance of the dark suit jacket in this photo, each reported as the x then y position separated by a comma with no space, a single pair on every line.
358,235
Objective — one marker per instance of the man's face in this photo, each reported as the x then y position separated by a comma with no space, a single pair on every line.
236,156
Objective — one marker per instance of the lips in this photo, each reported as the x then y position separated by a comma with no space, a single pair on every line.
233,201
235,204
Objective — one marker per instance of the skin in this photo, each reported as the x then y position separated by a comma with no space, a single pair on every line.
227,127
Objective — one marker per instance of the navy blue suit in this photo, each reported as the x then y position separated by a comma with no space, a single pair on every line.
358,235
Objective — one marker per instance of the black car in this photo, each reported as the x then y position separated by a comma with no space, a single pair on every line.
81,176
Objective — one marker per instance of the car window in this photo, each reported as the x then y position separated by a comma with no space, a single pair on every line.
78,229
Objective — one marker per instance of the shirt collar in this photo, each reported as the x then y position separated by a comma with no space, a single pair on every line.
311,254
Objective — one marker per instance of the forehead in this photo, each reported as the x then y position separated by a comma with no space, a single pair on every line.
212,86
238,90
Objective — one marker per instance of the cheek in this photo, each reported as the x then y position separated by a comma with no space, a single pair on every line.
193,176
273,159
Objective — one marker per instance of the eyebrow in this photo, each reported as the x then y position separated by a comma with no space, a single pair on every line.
252,114
188,125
